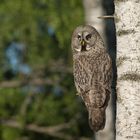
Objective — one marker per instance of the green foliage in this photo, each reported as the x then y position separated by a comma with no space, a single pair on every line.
10,133
50,108
27,21
10,101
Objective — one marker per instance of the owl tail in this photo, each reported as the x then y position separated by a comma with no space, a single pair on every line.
97,119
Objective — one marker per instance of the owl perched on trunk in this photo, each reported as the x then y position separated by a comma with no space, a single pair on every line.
92,69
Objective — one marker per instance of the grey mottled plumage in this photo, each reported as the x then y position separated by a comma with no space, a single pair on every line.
92,73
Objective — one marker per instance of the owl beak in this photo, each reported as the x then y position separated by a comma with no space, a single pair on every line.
83,45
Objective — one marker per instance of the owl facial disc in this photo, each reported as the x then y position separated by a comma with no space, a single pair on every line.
84,40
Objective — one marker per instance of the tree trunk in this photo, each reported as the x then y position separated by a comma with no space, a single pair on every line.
94,9
127,15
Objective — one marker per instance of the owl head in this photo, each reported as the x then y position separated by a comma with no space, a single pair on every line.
84,39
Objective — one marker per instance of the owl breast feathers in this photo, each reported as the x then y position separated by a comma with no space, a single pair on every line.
92,70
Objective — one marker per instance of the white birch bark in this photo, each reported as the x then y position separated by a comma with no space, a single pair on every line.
127,14
93,10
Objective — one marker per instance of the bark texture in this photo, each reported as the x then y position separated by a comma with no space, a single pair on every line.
93,10
127,14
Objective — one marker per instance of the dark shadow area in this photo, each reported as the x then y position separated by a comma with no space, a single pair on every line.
111,42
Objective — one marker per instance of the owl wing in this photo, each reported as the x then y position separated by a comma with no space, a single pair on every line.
101,84
81,76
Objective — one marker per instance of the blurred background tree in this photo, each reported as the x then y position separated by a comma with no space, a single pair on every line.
37,99
37,93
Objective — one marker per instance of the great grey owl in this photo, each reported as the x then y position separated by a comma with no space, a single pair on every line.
92,68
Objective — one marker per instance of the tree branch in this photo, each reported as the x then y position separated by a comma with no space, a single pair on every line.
18,83
53,131
50,130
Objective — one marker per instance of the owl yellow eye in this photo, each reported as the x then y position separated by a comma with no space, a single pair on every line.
79,37
88,37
